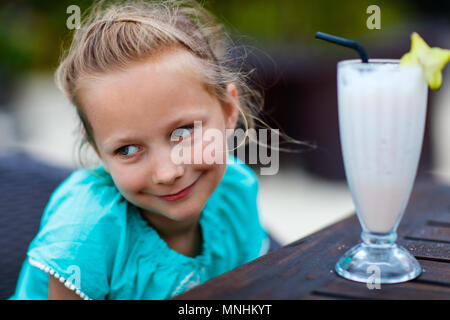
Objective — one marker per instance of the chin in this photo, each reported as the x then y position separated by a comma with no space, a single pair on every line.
184,214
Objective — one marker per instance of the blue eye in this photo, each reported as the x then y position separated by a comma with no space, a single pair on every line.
182,132
128,150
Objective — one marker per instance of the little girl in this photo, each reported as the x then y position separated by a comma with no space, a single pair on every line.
142,225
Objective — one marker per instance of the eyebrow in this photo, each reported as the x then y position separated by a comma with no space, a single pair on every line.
122,140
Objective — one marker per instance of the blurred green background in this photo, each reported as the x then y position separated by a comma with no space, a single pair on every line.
31,31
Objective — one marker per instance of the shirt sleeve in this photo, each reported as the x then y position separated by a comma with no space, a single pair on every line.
79,235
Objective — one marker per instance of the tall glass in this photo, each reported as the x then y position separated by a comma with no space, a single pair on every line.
382,109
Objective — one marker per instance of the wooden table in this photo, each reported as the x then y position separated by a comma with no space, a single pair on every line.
305,268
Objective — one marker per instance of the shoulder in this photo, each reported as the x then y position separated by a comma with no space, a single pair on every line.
83,225
85,207
238,190
86,196
239,176
91,183
234,207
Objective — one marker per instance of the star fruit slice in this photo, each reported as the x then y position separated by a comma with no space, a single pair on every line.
432,60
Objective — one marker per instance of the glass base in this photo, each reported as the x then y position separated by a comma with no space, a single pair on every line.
377,262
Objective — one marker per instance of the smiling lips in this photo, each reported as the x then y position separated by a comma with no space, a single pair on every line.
183,193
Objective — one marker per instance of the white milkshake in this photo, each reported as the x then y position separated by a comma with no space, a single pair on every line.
382,109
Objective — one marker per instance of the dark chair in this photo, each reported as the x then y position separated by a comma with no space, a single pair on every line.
25,187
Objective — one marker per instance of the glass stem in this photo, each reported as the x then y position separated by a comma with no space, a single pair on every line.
379,240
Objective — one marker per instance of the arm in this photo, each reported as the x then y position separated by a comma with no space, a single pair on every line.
58,291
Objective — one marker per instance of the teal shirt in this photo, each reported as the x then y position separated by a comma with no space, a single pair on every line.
97,243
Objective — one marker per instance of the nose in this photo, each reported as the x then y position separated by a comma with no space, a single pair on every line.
164,170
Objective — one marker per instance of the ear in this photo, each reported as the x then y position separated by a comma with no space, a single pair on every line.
232,107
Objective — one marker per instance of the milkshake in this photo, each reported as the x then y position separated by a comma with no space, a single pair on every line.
382,110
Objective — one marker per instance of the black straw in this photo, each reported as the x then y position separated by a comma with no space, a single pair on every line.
346,43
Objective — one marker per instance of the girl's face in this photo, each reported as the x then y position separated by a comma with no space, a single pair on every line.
135,115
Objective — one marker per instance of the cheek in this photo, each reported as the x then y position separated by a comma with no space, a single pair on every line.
214,176
127,180
213,172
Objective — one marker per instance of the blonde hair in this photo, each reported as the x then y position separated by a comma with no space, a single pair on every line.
114,35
